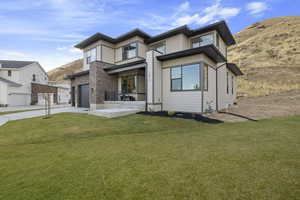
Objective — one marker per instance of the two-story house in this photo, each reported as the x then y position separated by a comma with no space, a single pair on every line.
23,82
180,70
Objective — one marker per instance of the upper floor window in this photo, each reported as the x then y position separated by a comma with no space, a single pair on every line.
160,47
188,77
203,40
130,51
9,73
218,40
90,55
33,77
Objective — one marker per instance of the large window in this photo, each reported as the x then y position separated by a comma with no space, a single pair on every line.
188,77
90,55
129,84
130,51
160,47
203,40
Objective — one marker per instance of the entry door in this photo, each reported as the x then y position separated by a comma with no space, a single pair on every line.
84,100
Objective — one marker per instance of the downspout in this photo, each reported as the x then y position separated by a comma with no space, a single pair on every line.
217,89
202,87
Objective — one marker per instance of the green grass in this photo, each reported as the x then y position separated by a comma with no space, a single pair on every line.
75,156
18,111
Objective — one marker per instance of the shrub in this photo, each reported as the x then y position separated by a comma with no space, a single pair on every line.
171,113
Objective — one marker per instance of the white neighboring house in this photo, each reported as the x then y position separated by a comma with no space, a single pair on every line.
16,78
63,91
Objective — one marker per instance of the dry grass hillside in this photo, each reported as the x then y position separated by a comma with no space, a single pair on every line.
268,52
59,73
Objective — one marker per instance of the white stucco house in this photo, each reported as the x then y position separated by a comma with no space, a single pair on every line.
182,69
23,83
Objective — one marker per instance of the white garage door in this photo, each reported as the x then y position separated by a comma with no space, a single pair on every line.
18,99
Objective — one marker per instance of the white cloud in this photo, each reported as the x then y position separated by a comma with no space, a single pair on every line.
256,8
12,55
184,15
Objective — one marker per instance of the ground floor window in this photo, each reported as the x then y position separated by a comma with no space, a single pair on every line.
129,84
188,77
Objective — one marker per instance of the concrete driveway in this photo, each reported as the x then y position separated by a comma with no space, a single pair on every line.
38,113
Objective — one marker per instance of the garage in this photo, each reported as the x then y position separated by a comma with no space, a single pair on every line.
17,99
83,96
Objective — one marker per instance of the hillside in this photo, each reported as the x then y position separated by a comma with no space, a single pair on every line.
268,52
59,73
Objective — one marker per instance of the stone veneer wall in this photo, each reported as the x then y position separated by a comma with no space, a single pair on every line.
40,88
79,80
100,82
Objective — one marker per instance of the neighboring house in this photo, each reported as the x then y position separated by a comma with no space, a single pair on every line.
23,82
63,91
180,70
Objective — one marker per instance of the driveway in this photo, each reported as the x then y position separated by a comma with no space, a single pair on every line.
38,113
16,108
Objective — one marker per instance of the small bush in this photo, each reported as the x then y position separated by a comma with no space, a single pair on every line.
171,113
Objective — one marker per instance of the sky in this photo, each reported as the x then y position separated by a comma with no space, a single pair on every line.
46,30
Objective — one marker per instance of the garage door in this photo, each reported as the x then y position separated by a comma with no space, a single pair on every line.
83,92
18,99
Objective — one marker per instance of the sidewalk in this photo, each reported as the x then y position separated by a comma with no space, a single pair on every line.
16,108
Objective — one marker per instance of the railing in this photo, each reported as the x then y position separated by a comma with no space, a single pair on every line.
115,96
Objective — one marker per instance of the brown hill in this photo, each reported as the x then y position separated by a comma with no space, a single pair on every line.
268,52
59,73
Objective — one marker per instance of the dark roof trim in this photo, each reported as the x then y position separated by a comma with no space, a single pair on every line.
221,27
142,61
209,50
10,82
99,36
182,29
234,69
78,74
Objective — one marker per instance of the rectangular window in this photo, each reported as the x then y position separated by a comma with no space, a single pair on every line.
188,77
130,51
232,84
218,40
129,84
33,77
160,47
203,40
227,81
91,55
9,73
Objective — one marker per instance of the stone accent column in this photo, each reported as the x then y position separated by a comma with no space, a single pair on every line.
100,81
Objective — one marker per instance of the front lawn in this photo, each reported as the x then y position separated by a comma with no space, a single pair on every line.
76,156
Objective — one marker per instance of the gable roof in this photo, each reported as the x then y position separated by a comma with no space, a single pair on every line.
14,63
221,27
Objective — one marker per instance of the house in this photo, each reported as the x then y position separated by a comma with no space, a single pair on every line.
63,91
180,70
23,83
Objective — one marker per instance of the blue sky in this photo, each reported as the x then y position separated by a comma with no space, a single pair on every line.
47,30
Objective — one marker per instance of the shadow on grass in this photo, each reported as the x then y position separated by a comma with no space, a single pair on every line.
241,116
